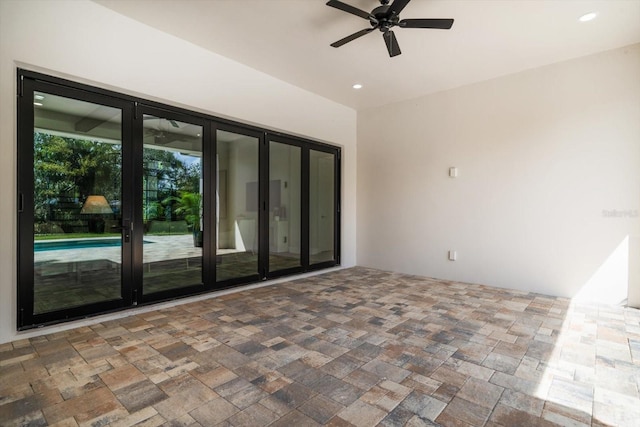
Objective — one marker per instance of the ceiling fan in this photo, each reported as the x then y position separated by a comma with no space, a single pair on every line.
384,18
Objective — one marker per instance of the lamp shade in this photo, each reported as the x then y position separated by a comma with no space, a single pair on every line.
96,205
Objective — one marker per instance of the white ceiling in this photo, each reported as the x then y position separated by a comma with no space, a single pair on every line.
289,39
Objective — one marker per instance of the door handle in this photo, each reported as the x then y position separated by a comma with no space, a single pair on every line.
125,228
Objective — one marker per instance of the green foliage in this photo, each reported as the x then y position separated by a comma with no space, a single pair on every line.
165,176
67,170
188,205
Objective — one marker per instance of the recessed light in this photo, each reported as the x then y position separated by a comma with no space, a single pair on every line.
357,86
587,17
38,97
38,104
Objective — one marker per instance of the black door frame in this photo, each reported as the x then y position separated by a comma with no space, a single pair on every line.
26,110
133,109
336,203
246,131
207,217
304,204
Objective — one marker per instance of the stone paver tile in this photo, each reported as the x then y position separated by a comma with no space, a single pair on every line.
565,415
213,412
32,418
136,397
342,366
515,383
361,414
84,407
522,402
315,359
67,422
215,377
232,387
516,350
386,370
571,394
176,406
444,419
246,397
501,362
254,415
449,376
466,411
137,418
399,416
101,418
373,395
321,409
508,416
481,392
445,392
362,379
305,351
294,394
423,405
275,405
338,390
366,352
295,418
474,370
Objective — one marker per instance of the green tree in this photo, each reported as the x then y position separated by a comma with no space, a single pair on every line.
71,169
166,176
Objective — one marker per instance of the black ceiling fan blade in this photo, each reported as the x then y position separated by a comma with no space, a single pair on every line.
443,24
397,6
349,9
392,44
352,37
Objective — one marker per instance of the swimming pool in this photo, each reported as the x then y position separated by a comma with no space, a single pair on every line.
56,245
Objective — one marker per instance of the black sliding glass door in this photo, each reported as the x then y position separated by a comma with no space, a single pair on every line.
170,203
74,251
302,197
323,200
123,201
285,218
238,205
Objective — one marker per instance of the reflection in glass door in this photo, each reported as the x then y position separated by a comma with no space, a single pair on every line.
237,205
284,206
172,199
77,194
321,206
124,201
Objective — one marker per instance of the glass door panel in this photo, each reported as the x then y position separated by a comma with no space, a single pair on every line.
237,205
77,172
284,206
172,190
321,207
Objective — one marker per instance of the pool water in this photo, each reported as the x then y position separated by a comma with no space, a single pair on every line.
56,245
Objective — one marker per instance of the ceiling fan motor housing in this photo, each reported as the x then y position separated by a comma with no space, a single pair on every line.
383,19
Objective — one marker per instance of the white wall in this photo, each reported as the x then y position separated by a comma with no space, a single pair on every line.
83,41
541,154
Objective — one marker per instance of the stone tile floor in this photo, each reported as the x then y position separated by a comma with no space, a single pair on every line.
357,347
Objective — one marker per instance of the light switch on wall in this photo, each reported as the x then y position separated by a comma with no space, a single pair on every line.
453,255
